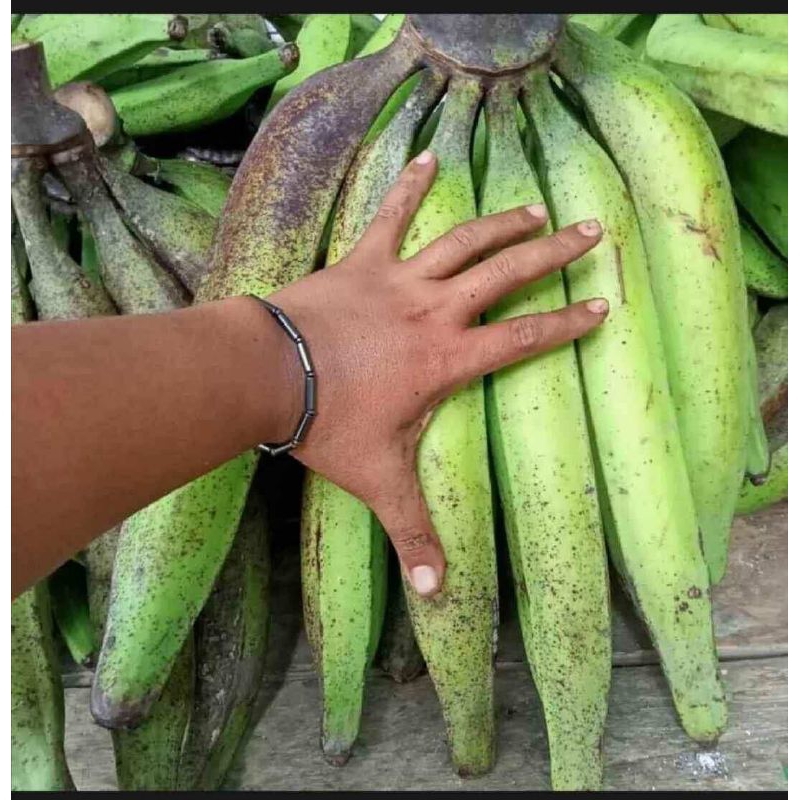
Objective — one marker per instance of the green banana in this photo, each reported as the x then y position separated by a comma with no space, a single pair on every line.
398,653
635,35
723,127
689,226
384,35
249,671
60,287
742,76
771,338
453,462
288,25
765,272
323,41
757,455
70,605
758,166
89,46
160,62
642,480
190,97
362,28
241,35
99,559
202,184
147,758
774,489
179,232
135,281
771,26
343,547
90,263
230,645
38,762
546,484
611,25
15,20
167,560
274,217
22,308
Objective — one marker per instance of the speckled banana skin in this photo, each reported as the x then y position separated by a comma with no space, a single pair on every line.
677,180
643,483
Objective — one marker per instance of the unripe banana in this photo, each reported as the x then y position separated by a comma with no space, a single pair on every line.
765,272
230,640
643,485
190,97
758,166
147,758
635,35
771,338
771,26
457,629
323,41
202,184
774,489
343,546
547,487
38,762
757,455
160,62
70,605
135,281
739,75
89,46
362,28
179,232
689,226
61,288
167,560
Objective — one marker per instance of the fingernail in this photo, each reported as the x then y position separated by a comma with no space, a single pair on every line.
425,157
598,306
424,579
589,227
538,211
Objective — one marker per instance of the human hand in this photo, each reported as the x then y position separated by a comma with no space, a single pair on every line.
391,339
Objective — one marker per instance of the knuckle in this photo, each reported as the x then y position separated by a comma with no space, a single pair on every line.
501,267
526,332
561,244
412,541
464,237
389,210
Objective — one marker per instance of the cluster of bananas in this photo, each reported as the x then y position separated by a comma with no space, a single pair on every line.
632,444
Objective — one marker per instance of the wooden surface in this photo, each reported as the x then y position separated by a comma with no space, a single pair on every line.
402,741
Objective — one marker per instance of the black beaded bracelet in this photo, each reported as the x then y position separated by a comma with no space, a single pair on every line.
310,403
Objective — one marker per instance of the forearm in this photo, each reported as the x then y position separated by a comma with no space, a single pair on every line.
110,414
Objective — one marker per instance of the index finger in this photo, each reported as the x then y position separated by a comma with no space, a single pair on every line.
386,232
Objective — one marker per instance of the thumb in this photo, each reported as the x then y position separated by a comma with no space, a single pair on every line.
404,515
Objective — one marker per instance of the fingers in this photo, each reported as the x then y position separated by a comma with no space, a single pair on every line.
450,253
491,347
405,517
387,230
482,286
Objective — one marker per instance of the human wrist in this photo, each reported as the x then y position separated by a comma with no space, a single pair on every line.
272,392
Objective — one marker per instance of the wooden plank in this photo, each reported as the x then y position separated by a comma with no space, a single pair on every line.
402,741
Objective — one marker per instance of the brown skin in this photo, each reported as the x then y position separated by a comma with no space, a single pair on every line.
111,413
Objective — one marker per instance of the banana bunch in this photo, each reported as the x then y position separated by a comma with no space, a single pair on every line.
639,442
